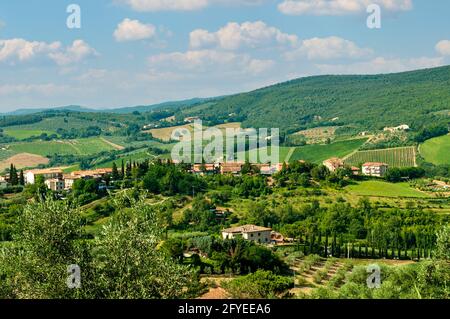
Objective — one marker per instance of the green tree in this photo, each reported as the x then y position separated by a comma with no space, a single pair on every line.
443,243
47,239
115,172
13,178
21,178
129,263
259,285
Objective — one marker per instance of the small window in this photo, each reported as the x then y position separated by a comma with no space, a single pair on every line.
259,234
251,235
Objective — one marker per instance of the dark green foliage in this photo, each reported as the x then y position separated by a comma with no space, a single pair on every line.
259,285
430,132
395,174
367,101
170,179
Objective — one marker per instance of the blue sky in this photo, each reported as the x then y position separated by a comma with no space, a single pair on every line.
134,52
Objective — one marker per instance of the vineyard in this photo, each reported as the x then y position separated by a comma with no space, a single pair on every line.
394,157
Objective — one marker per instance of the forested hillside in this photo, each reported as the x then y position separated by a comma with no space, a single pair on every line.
366,101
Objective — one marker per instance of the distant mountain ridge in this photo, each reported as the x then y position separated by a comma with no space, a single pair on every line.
120,110
352,102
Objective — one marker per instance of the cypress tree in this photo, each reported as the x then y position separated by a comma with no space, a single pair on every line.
115,172
333,245
13,179
122,172
21,178
128,170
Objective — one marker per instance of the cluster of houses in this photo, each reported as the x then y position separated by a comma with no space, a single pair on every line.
234,168
57,181
374,169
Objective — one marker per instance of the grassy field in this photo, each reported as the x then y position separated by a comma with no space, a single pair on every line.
436,150
79,147
394,157
384,189
22,134
319,153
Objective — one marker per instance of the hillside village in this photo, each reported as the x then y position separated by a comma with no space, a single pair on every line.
343,195
56,180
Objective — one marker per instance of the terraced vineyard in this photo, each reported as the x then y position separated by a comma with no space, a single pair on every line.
394,157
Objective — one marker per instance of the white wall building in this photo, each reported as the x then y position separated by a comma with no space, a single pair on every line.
375,169
50,173
54,184
249,232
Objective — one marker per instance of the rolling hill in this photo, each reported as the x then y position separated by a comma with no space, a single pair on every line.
437,150
363,101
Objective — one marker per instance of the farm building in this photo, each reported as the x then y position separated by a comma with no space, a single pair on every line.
231,168
70,179
255,233
356,171
97,173
204,169
402,127
375,169
55,184
333,164
268,169
50,173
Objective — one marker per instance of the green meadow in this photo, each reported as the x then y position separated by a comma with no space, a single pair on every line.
85,146
384,189
317,153
22,134
436,150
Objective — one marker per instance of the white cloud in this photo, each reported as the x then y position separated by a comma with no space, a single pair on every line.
248,34
132,30
339,7
183,5
381,65
166,5
328,48
23,50
443,47
200,61
74,53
